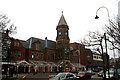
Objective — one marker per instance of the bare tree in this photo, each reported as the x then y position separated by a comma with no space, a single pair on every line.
5,24
93,40
113,36
6,29
113,31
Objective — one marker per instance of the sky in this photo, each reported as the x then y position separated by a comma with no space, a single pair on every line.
39,18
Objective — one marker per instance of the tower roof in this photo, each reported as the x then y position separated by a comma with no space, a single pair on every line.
62,20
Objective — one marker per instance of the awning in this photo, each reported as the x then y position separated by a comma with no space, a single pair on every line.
12,63
38,63
23,62
43,63
52,64
95,65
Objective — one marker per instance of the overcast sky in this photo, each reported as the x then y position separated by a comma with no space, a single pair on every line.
39,18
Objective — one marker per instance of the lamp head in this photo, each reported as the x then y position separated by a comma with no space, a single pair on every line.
96,17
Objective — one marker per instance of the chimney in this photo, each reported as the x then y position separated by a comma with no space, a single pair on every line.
45,42
30,43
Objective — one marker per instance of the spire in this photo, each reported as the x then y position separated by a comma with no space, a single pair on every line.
62,20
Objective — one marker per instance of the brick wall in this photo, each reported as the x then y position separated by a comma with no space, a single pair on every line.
17,51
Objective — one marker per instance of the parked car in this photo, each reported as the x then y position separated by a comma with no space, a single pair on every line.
111,74
64,76
96,70
90,71
118,70
100,73
84,75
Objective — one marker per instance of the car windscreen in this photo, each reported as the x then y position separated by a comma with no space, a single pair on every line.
81,73
62,75
111,72
101,71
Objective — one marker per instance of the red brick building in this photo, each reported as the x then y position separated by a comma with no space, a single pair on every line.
38,55
85,57
17,51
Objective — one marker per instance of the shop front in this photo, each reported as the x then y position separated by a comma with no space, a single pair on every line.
94,67
23,66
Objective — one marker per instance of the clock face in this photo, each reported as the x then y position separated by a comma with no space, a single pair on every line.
66,51
65,33
59,33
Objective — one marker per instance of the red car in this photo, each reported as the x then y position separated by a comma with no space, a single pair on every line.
84,75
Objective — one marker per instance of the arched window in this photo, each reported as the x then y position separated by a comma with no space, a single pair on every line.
19,54
32,55
37,46
60,33
18,44
14,43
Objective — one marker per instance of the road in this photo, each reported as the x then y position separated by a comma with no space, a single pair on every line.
44,76
95,77
38,76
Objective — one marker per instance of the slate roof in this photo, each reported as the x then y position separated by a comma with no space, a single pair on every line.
62,21
50,44
25,44
33,39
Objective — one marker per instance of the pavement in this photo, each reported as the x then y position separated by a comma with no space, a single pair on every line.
15,77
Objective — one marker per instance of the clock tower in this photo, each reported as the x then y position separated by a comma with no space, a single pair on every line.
62,39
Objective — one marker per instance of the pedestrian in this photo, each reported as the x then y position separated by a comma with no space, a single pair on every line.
34,71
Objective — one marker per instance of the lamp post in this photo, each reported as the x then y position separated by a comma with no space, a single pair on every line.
105,42
103,59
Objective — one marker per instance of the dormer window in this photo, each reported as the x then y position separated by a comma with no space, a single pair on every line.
37,46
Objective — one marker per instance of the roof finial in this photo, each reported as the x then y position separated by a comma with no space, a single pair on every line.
62,12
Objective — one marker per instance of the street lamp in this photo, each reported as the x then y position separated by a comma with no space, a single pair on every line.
105,40
96,17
